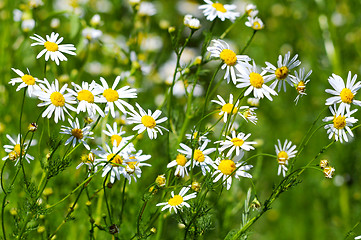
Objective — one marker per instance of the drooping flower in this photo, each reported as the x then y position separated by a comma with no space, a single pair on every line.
176,202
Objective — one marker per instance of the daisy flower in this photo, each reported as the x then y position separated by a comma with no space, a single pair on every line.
227,108
77,134
343,94
88,160
14,149
256,82
195,135
340,124
52,49
300,80
251,10
236,142
115,135
220,49
25,80
223,11
55,99
147,121
200,156
111,96
328,171
226,169
282,72
176,202
133,165
87,95
191,22
255,23
182,163
284,153
249,114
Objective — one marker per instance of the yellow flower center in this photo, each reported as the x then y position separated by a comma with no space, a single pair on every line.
86,95
87,158
116,138
28,79
227,167
148,121
282,157
176,200
110,95
74,3
301,87
256,80
227,108
77,133
51,46
198,155
339,122
237,142
57,99
346,95
281,73
181,160
132,165
12,155
228,56
17,150
257,26
219,7
116,161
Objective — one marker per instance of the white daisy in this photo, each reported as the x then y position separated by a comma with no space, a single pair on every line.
343,94
282,72
25,80
200,156
176,202
55,99
212,10
52,49
182,163
111,96
255,23
220,49
77,133
340,122
134,164
147,121
191,22
228,108
256,82
300,80
227,168
87,95
115,135
15,149
88,160
236,142
146,9
251,10
91,34
249,114
284,153
329,171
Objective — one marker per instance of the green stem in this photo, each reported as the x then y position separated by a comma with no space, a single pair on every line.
231,26
249,42
123,200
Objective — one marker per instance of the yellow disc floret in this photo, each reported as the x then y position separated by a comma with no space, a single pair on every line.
12,155
229,57
116,138
339,122
256,80
300,87
86,95
116,160
227,108
282,157
176,200
181,160
51,46
227,167
257,25
237,142
198,155
281,73
110,95
28,79
77,133
219,7
148,121
346,95
57,99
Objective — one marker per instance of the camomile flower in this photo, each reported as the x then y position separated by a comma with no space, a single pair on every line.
343,94
284,153
249,115
195,135
176,202
52,48
228,108
87,96
282,72
200,156
329,171
134,164
232,61
227,169
341,123
88,160
15,149
116,136
255,82
215,9
25,80
91,34
57,101
255,23
300,80
113,97
147,121
182,163
236,142
78,134
146,9
191,22
251,10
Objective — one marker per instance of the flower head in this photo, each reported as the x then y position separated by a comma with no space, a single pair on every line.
116,137
227,109
300,80
236,142
255,23
284,153
134,164
182,163
191,22
77,134
328,171
25,80
215,9
251,10
176,202
16,149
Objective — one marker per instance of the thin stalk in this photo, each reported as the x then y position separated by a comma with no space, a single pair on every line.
231,26
249,42
106,198
123,200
